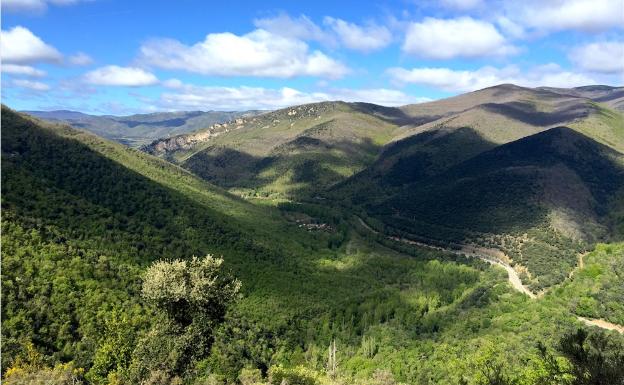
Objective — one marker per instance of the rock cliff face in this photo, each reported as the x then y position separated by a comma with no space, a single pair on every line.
188,141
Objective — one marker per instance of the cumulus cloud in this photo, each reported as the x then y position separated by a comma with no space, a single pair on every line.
80,59
120,76
31,85
450,38
360,38
510,28
37,6
365,38
604,57
462,5
464,80
557,15
189,97
16,69
258,53
295,27
20,46
381,96
24,5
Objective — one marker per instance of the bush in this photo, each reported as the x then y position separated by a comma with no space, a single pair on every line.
299,375
62,374
249,376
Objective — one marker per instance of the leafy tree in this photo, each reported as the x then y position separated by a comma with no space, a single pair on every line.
596,359
61,374
192,297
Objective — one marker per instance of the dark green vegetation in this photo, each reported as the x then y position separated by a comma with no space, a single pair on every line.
141,129
86,222
294,152
556,187
494,167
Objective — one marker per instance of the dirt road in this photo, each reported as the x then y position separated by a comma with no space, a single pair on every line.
487,255
602,324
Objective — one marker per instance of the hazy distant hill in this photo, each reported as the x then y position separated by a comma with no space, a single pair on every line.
140,129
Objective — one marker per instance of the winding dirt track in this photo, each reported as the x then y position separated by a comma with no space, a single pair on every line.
602,324
487,255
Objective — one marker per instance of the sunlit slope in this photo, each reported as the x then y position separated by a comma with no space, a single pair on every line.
294,151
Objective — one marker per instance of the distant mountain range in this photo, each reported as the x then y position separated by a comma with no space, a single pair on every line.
140,129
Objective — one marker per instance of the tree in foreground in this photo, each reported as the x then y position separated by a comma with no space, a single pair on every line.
585,358
191,297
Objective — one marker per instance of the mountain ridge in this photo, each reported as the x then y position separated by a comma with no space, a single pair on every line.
140,129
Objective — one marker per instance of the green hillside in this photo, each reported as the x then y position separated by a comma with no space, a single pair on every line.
297,153
547,193
293,152
84,219
397,165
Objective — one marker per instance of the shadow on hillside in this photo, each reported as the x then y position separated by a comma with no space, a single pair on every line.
62,182
176,122
510,188
389,114
308,163
527,112
102,208
409,161
611,96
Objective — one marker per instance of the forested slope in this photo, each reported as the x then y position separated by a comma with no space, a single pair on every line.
83,218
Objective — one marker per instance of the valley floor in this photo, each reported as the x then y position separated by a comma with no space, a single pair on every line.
469,251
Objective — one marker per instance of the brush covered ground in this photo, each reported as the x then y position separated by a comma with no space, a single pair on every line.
536,173
83,218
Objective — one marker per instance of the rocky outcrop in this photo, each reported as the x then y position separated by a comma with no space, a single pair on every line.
188,141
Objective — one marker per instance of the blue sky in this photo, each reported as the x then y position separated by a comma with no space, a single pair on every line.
122,57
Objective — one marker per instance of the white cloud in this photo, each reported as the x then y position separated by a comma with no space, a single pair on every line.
36,6
258,53
360,38
450,38
173,83
605,57
16,69
296,28
120,76
464,80
556,15
20,46
364,38
24,5
510,28
381,96
80,59
462,5
31,85
191,97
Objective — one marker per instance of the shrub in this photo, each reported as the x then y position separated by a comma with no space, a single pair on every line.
299,375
